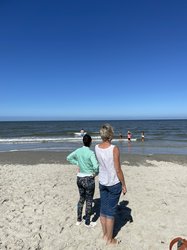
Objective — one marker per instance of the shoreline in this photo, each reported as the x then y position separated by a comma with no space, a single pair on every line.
48,157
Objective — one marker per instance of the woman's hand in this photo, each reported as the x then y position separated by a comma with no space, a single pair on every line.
124,190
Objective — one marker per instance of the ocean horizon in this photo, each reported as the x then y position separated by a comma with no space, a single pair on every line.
162,136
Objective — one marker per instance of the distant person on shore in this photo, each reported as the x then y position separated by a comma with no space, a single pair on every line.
143,136
111,181
129,136
86,160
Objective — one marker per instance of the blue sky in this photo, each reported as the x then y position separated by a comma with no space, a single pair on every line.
75,59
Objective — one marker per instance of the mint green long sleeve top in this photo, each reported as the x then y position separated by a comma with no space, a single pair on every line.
85,159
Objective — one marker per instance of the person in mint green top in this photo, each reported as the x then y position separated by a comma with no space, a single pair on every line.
86,160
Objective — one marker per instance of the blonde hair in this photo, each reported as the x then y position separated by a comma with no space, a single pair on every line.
106,132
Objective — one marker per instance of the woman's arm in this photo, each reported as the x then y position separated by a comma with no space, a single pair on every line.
72,158
119,171
94,163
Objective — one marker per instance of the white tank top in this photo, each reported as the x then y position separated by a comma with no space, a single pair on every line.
107,172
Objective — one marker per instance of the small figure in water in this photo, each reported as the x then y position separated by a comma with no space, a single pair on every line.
82,132
143,136
129,135
120,136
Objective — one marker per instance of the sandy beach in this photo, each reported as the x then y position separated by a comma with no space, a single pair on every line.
38,197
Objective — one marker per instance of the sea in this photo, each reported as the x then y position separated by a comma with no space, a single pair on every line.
161,136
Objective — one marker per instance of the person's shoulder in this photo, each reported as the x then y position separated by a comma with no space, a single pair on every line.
115,147
87,149
79,149
91,152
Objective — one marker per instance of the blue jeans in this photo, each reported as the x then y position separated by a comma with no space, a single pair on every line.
109,199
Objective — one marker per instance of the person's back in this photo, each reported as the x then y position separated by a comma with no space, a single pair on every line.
111,181
86,160
107,172
84,157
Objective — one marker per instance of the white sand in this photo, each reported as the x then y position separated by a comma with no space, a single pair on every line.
38,208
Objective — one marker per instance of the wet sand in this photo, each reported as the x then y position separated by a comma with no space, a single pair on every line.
43,157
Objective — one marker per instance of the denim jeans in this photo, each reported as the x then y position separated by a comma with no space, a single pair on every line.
109,199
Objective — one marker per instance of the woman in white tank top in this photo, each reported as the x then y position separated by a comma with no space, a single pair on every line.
111,181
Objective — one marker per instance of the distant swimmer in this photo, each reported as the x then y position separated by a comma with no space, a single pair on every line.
129,135
143,136
120,136
82,132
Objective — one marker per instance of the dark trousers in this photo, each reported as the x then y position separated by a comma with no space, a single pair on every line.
86,186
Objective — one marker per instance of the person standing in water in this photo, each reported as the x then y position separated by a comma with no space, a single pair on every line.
120,136
82,132
129,135
143,136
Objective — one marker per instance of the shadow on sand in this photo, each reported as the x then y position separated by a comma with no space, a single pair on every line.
123,215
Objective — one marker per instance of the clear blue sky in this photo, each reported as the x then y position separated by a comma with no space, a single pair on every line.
93,59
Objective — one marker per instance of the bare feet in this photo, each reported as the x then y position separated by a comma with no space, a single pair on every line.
113,242
104,237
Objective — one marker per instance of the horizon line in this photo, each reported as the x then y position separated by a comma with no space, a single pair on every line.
109,119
